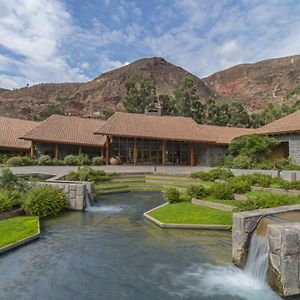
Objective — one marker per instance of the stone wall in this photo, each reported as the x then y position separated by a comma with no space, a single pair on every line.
210,155
284,245
294,145
284,258
75,193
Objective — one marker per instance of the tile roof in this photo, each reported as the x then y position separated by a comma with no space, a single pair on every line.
10,131
158,127
224,135
67,130
287,124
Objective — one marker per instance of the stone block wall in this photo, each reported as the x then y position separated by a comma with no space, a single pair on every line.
75,193
294,145
210,155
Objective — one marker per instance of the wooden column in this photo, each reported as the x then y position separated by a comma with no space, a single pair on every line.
32,150
107,150
164,150
79,150
135,152
192,154
56,151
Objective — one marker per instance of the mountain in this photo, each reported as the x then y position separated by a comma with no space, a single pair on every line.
258,83
105,91
253,84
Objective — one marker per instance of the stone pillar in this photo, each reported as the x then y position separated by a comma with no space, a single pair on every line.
32,150
284,258
135,152
79,150
164,150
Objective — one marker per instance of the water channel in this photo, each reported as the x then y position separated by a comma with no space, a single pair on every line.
113,253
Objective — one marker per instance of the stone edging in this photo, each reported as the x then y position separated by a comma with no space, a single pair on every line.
182,226
215,205
21,242
11,213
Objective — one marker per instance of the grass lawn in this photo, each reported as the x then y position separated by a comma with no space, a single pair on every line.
16,229
188,213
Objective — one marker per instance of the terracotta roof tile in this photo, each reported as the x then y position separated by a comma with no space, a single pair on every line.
224,135
10,131
158,127
67,130
287,124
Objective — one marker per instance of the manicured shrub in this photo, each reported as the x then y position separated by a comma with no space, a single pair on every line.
172,195
213,174
87,174
15,161
260,179
239,184
6,202
221,191
43,201
8,180
197,191
185,197
242,162
264,165
28,161
205,176
266,200
98,160
84,160
72,160
45,160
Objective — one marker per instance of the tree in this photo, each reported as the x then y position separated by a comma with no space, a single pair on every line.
138,99
48,111
239,116
167,104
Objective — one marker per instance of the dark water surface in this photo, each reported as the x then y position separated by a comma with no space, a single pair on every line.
114,253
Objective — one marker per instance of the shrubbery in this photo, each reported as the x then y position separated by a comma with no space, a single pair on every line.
98,160
172,195
239,184
266,200
43,201
45,160
9,199
213,174
221,191
196,191
87,174
15,161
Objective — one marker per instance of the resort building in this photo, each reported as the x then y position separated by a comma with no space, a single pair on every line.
59,136
10,131
287,131
165,140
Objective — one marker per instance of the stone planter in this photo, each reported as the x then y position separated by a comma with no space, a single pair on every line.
115,161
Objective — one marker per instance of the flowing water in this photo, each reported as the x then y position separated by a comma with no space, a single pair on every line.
113,253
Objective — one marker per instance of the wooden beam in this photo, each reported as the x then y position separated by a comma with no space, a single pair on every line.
135,152
164,150
107,150
56,151
192,154
32,150
79,150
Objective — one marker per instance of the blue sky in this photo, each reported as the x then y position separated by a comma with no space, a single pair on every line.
76,40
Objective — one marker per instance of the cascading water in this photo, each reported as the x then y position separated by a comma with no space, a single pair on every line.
257,261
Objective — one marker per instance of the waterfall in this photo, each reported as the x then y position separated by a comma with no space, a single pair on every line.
257,260
88,201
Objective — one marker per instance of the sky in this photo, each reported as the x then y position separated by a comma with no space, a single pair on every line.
77,40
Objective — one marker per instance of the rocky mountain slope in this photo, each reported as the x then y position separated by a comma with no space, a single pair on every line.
252,84
256,84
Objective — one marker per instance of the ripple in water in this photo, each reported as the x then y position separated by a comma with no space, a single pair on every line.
212,281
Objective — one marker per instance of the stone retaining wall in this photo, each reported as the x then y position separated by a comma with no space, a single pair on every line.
215,205
75,192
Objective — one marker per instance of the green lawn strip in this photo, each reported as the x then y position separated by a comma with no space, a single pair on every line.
188,213
225,201
18,228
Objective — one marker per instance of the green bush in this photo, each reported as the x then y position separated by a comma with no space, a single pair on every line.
260,179
87,174
43,201
98,160
6,202
239,184
84,160
15,161
28,161
266,200
185,197
264,165
221,191
45,160
213,174
242,162
8,180
72,160
172,195
197,191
